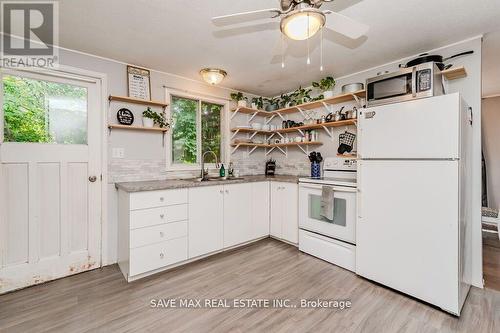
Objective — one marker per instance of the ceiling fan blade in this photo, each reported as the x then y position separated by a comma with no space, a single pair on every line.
246,16
345,25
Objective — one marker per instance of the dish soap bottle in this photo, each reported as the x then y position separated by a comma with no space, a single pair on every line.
222,171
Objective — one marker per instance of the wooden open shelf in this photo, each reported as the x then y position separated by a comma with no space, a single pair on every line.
306,106
137,128
263,145
455,73
136,101
251,130
318,126
318,104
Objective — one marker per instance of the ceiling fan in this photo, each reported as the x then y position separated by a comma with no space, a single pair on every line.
300,19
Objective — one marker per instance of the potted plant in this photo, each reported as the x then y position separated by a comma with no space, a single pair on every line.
272,104
151,118
302,95
239,99
285,100
258,103
326,86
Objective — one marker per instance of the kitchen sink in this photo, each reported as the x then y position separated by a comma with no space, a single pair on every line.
219,179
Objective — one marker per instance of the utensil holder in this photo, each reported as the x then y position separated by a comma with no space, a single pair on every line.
315,170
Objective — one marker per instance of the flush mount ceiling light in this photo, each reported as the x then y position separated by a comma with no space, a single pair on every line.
302,24
213,76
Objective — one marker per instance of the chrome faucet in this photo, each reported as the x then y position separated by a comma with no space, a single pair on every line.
204,173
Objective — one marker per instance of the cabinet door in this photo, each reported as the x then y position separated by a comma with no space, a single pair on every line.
237,214
260,210
206,226
276,209
290,200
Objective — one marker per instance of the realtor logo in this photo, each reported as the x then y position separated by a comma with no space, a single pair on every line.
30,31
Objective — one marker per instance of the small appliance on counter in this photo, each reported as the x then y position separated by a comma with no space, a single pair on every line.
271,167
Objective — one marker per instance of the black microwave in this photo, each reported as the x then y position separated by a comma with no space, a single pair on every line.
422,81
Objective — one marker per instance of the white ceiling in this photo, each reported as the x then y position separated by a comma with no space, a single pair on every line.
177,36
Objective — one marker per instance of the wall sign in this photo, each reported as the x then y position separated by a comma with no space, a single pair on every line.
139,83
125,117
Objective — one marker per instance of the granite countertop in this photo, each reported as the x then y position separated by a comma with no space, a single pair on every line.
170,184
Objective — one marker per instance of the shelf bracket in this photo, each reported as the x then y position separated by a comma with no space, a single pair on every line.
305,152
235,149
235,113
235,133
251,151
282,151
280,115
270,119
253,135
327,108
358,100
300,131
253,116
273,134
280,135
270,151
301,112
330,134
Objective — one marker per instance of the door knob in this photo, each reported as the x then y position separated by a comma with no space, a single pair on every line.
92,179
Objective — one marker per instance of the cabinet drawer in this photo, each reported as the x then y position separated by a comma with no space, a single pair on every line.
155,216
151,257
150,199
159,233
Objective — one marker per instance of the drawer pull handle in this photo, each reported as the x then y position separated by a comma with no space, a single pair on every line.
162,255
162,199
162,216
162,234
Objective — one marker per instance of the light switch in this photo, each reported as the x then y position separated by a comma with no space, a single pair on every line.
118,152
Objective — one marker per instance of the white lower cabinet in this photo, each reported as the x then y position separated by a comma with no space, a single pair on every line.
152,231
206,224
284,212
237,214
158,229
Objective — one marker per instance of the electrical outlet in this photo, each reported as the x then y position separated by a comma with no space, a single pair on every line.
118,152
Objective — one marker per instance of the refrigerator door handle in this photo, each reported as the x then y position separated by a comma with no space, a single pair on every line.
470,116
414,82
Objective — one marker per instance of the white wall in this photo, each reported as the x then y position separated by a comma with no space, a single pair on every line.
491,148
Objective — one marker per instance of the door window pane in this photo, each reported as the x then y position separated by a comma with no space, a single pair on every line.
184,147
211,130
44,112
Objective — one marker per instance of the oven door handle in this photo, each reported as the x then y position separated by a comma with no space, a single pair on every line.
335,188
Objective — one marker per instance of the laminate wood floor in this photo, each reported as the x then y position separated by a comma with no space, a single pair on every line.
101,300
491,260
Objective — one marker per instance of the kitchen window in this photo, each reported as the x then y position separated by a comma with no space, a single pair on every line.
197,127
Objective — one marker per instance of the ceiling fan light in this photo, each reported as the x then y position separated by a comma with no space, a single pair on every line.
213,76
302,24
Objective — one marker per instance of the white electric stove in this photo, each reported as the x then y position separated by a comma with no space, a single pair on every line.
331,240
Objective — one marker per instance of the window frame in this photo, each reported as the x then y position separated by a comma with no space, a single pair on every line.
224,130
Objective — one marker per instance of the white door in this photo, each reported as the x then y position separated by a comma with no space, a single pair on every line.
50,201
290,227
206,226
276,210
426,128
237,214
407,229
260,210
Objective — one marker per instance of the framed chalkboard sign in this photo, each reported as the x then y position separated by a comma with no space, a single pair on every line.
139,83
125,117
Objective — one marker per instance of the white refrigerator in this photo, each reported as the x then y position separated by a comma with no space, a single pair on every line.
413,228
